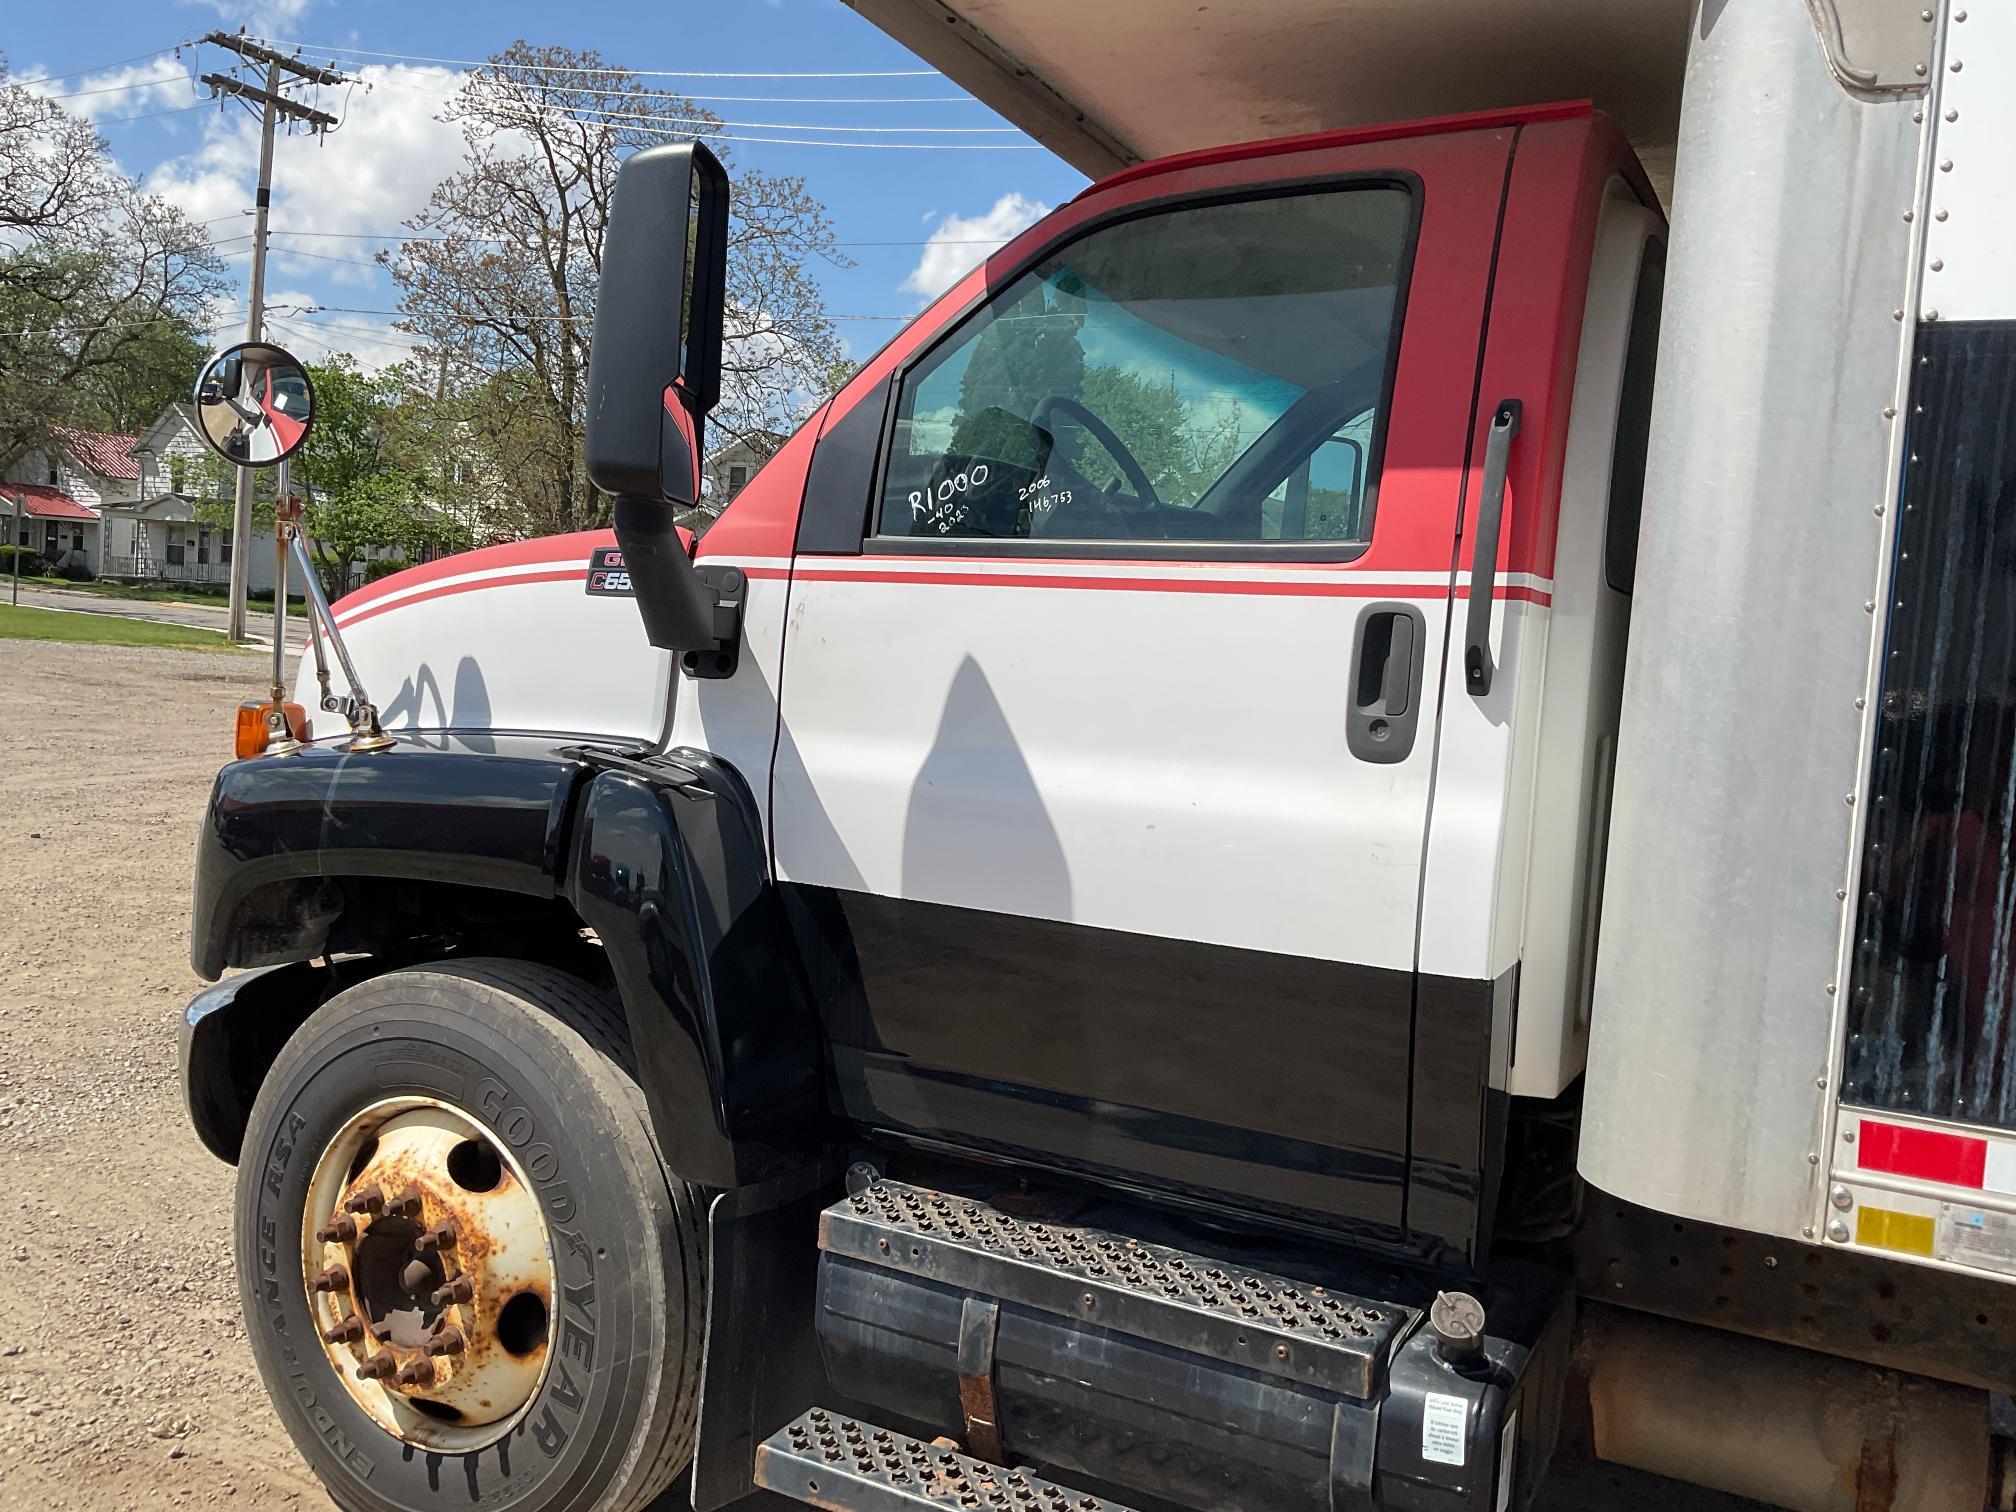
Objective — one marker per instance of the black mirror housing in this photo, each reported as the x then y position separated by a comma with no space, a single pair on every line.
654,372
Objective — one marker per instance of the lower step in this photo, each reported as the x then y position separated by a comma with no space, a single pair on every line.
848,1466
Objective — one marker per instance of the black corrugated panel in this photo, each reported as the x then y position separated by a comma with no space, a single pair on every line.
1933,992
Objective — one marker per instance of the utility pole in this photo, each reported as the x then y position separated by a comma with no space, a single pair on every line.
275,107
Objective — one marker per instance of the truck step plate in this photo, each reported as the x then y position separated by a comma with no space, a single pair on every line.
835,1462
1225,1312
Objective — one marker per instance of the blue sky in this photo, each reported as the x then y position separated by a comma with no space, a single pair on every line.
942,210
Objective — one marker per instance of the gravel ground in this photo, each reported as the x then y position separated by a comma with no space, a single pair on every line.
125,1380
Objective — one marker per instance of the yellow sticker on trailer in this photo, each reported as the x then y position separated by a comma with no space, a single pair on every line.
1886,1228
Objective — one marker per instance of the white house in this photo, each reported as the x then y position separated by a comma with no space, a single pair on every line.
155,534
52,497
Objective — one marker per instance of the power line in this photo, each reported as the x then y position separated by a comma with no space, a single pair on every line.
116,63
712,125
706,99
407,236
214,321
149,115
637,73
78,94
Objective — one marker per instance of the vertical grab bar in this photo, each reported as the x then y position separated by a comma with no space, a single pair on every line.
1478,667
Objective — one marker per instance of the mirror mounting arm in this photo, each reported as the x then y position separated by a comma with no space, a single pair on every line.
695,609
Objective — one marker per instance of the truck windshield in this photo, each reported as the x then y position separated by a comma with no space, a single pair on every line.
1211,372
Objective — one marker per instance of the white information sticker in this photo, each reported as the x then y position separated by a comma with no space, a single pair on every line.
1508,1456
1444,1420
1974,1236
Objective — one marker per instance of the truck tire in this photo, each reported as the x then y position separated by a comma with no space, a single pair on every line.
468,1278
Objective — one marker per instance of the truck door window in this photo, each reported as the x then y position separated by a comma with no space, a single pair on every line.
1207,373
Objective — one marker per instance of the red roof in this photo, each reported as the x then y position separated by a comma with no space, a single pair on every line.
105,453
45,503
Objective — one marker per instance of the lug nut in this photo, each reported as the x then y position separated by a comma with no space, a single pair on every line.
407,1203
415,1275
448,1341
380,1366
460,1289
441,1236
336,1278
369,1200
416,1373
341,1229
349,1331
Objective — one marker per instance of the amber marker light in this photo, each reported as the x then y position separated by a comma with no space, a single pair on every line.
255,729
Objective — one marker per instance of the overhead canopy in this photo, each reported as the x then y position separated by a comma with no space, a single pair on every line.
1105,83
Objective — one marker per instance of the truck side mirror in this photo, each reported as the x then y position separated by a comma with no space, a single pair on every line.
654,371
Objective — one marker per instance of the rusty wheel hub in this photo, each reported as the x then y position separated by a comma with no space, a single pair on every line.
429,1272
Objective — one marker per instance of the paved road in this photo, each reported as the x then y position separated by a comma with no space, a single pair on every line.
195,612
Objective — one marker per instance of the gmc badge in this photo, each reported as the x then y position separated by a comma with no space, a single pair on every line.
607,574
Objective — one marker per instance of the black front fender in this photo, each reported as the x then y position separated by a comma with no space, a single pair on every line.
662,857
669,869
479,811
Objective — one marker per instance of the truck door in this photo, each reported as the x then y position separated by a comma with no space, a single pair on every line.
1108,725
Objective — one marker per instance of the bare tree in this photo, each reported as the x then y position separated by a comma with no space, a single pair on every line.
500,276
91,270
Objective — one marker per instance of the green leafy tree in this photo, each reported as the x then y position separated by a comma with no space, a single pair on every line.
500,277
92,272
360,494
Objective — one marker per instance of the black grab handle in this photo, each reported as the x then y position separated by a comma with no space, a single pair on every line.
1478,667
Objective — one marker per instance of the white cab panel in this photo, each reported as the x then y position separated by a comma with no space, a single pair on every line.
1151,748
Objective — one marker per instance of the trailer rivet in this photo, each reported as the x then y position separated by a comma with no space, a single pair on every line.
1952,116
1820,1082
1955,65
1896,314
1945,165
1807,1231
1917,116
1842,1198
1931,315
1841,893
1812,1159
1959,15
1837,1231
1890,410
1830,989
1869,606
1847,1136
1925,15
1938,265
1919,69
1879,511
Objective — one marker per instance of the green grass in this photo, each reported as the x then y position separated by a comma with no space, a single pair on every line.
103,630
153,593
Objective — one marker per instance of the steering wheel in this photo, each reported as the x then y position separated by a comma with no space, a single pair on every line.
1103,434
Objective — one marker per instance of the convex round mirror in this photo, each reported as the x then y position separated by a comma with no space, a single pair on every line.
254,404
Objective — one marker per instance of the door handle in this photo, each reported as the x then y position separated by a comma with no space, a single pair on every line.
1478,667
1385,683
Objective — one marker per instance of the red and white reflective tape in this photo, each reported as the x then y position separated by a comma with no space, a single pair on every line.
1980,1162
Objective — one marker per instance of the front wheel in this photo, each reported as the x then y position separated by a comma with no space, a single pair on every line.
468,1279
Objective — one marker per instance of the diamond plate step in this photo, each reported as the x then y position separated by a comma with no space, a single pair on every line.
848,1466
1225,1312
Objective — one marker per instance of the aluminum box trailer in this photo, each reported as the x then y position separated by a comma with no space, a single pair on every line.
1354,805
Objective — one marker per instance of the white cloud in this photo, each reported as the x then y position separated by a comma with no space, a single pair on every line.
960,242
263,18
152,85
373,172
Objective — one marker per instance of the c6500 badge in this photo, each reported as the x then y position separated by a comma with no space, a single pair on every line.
607,574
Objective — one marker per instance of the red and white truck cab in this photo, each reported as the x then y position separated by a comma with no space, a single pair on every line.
1342,802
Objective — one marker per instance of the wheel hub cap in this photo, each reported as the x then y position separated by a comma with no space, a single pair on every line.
430,1274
